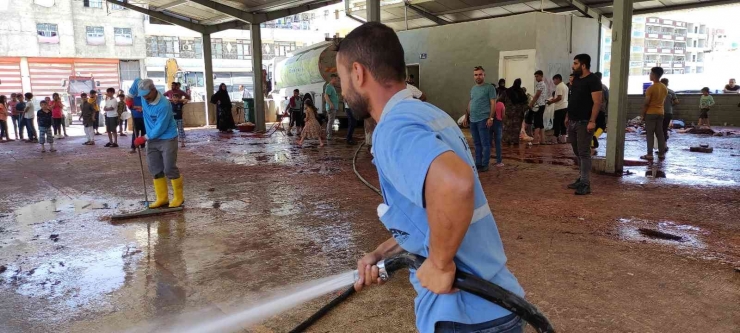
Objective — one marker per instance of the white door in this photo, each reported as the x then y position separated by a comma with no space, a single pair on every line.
519,67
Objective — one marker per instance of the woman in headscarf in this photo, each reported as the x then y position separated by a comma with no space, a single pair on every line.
224,120
515,100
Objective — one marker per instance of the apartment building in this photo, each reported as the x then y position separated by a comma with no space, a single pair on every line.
679,47
44,43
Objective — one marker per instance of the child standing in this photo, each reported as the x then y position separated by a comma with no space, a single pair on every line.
57,114
177,104
88,112
122,123
29,114
705,103
20,110
93,101
45,121
3,119
111,118
14,114
312,129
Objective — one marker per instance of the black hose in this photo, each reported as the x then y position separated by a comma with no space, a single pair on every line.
324,310
482,288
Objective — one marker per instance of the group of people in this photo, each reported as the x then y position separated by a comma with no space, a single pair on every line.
21,113
500,114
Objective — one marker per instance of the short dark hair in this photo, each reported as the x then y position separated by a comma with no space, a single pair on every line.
411,76
113,90
664,81
599,75
539,72
296,90
121,96
43,102
558,76
83,95
572,75
657,71
479,68
705,89
93,92
333,76
375,46
28,95
584,59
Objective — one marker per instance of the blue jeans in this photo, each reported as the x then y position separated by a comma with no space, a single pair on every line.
497,131
351,123
482,141
21,126
509,324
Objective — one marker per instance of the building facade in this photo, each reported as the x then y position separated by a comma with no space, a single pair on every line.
44,44
676,46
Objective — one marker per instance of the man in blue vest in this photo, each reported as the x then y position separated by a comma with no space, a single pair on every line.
160,139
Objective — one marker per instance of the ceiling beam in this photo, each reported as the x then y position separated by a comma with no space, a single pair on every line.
235,24
590,12
491,5
169,5
162,16
228,10
681,7
274,15
426,14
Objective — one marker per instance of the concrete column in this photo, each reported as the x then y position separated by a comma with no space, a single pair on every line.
621,37
259,89
208,75
25,76
373,10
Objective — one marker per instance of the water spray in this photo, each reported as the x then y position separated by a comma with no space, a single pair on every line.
463,281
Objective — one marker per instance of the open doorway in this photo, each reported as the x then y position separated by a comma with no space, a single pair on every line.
412,75
517,65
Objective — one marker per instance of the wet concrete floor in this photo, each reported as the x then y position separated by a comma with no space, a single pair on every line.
262,214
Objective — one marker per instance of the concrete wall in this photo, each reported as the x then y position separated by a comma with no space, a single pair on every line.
554,53
446,75
19,38
726,109
194,115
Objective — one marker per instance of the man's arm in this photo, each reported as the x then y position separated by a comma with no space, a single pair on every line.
448,177
674,102
596,97
367,271
327,99
423,97
645,105
535,98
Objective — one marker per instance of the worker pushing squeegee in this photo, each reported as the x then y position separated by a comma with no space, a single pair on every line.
434,205
160,140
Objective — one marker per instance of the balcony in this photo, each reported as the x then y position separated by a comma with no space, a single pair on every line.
680,38
635,64
679,50
650,63
678,64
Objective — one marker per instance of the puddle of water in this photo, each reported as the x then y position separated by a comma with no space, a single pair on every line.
79,280
638,230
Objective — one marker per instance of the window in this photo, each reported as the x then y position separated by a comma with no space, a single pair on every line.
283,48
123,36
637,49
95,35
693,58
217,48
117,7
607,56
607,40
162,47
93,3
638,34
696,30
47,33
189,49
694,43
229,49
243,49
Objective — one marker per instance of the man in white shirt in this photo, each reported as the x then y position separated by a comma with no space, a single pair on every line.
111,117
29,113
561,107
416,93
537,105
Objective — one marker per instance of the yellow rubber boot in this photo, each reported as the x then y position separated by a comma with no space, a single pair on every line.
177,198
160,188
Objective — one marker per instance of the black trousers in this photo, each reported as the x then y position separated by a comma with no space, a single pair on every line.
667,117
139,130
558,124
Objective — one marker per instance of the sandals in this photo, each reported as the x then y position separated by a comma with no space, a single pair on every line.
646,157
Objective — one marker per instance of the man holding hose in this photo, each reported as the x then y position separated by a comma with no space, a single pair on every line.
434,204
160,140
